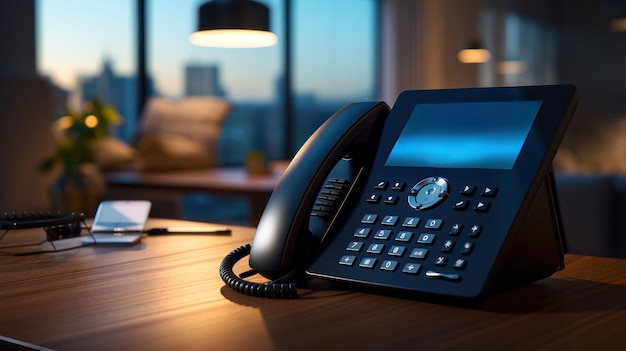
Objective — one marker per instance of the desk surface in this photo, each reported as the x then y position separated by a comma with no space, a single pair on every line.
217,180
165,293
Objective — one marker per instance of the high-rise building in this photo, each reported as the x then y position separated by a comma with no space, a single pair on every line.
118,91
202,80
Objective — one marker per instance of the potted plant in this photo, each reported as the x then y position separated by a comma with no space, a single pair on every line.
79,187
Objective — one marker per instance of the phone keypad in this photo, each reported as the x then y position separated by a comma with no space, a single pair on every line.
407,251
417,245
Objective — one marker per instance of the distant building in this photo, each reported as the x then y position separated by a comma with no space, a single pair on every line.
119,91
202,80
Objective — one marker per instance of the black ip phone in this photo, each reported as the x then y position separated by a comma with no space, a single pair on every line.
450,194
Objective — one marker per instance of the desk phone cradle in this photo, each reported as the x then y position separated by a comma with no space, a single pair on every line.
449,195
57,225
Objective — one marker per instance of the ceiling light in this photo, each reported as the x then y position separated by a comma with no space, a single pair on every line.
233,24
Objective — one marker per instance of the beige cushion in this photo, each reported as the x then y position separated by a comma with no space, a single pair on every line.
114,154
172,152
181,134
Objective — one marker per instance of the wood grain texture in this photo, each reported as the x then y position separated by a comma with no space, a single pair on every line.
165,293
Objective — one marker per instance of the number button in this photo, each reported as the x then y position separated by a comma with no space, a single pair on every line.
355,246
404,236
362,232
434,224
426,238
411,222
389,265
396,250
382,234
369,219
375,248
389,220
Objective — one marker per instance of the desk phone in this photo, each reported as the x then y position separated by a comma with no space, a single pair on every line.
450,194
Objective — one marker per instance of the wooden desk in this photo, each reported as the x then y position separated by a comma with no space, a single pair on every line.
218,181
166,294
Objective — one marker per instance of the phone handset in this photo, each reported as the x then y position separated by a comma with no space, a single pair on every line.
282,240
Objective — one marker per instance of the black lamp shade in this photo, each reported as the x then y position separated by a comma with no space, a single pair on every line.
233,14
233,23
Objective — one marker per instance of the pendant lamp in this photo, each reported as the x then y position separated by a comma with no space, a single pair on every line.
233,24
474,52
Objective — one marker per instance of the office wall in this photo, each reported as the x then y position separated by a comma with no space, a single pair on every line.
593,57
26,111
420,40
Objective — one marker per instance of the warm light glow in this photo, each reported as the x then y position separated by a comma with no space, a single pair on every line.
233,38
64,122
91,121
618,25
511,67
474,55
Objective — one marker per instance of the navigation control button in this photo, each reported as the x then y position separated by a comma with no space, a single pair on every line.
428,192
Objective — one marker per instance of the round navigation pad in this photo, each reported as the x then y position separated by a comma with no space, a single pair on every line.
428,193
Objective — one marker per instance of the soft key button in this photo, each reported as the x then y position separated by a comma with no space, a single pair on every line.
489,191
468,190
398,186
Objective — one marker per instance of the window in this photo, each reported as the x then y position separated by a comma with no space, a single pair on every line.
333,57
333,63
332,53
89,55
248,78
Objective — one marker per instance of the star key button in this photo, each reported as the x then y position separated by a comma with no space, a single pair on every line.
448,245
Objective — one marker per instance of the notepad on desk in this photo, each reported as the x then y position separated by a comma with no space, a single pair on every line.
120,222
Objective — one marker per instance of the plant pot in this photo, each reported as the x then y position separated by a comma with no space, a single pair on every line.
80,192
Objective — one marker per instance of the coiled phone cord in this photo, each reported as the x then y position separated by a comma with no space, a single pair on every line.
271,290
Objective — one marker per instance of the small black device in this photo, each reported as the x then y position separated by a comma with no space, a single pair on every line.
450,194
57,225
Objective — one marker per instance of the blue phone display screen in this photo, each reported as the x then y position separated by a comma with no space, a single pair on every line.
464,135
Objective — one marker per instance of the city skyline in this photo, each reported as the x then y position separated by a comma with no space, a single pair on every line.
72,44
